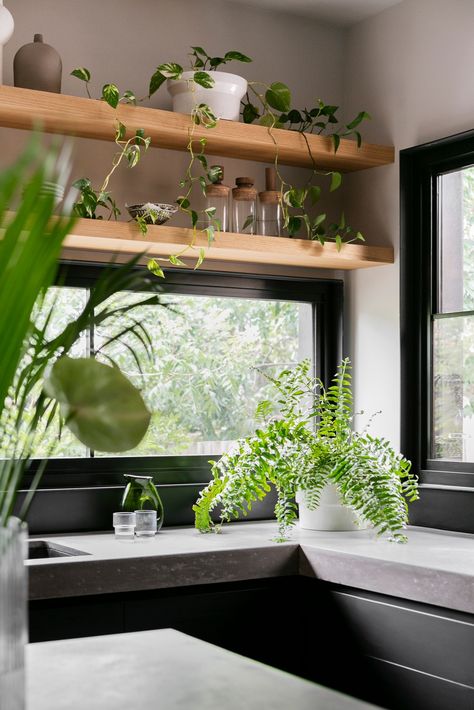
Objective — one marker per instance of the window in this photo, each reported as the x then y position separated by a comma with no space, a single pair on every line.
437,311
202,387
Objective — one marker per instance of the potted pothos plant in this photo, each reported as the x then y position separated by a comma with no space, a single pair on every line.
205,94
304,449
40,378
222,92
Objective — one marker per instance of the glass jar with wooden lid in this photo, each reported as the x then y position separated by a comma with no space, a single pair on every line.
244,206
218,198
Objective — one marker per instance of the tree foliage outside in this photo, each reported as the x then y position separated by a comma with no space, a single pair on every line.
453,348
202,385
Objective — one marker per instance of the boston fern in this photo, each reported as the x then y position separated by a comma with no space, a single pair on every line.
310,444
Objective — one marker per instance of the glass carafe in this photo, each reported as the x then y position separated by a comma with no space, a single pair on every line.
141,494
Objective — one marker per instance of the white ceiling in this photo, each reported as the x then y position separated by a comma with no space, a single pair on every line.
339,12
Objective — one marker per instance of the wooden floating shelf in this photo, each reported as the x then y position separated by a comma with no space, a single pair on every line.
89,118
97,240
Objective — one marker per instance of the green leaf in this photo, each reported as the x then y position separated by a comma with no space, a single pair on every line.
111,95
294,116
201,257
155,268
248,222
140,132
338,241
296,197
98,403
129,97
360,237
210,211
203,79
202,159
81,73
170,70
363,115
176,260
215,173
194,218
120,132
133,155
314,193
250,113
82,183
336,141
336,180
156,81
278,96
210,231
236,56
200,50
183,202
319,220
202,183
294,225
216,62
268,120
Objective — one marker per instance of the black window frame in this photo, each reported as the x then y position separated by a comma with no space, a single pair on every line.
97,475
447,487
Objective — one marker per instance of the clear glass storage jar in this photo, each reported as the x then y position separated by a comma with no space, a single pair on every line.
244,206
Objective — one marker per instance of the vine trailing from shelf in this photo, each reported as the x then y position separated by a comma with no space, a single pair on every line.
129,150
269,105
275,110
308,444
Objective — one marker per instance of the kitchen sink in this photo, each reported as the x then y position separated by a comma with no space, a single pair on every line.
40,549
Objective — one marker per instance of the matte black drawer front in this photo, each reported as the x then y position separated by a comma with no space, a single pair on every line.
429,641
407,689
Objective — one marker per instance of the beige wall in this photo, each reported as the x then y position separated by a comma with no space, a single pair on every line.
411,67
123,41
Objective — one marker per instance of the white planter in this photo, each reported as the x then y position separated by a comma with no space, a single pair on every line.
224,98
329,515
13,615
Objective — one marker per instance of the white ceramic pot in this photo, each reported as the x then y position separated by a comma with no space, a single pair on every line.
224,98
329,515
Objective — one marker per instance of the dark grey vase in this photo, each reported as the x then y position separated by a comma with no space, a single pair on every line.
38,66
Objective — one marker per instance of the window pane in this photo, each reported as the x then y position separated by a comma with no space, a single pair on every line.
456,228
68,304
453,388
203,387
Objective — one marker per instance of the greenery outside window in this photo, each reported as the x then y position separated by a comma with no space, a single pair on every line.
211,345
437,327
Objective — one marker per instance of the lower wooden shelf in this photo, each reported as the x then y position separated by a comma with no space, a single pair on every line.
97,240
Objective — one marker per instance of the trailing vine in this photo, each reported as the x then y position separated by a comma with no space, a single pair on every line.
129,150
274,110
308,444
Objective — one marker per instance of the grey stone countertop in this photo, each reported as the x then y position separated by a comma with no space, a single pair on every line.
165,669
434,567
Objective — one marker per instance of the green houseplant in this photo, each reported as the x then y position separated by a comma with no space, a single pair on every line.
309,445
39,378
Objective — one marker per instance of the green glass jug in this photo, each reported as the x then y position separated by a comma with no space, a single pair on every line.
141,494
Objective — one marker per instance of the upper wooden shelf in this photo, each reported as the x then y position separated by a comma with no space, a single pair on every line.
96,240
89,118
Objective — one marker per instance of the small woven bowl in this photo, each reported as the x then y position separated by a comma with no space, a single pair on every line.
152,212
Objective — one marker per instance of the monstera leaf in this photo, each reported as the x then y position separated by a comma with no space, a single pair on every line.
98,404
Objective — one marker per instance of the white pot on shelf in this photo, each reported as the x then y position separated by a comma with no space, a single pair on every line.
223,98
330,514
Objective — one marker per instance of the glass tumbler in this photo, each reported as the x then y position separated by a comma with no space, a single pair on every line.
124,524
146,523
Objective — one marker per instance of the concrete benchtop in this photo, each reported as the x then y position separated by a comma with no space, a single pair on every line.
434,567
167,670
